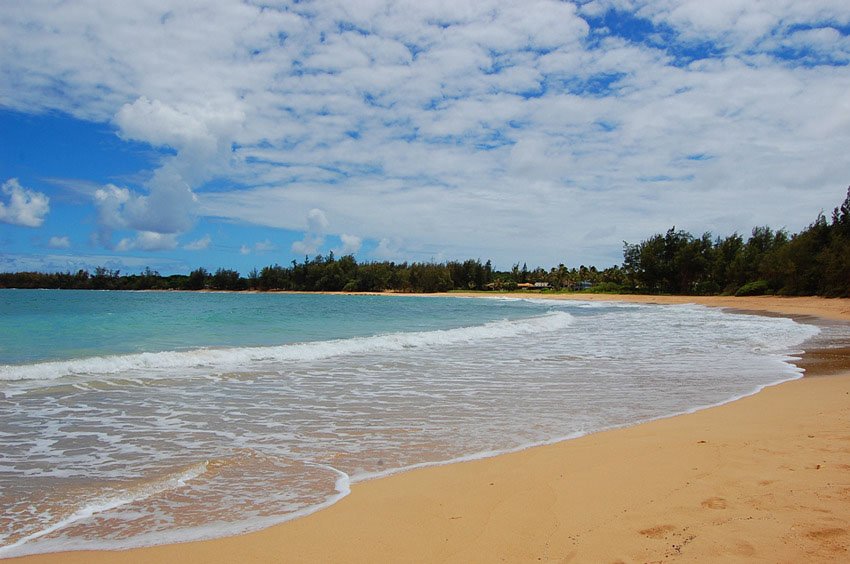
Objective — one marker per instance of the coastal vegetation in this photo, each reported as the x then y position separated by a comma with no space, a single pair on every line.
815,261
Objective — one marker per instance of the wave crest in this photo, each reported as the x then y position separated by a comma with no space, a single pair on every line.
231,359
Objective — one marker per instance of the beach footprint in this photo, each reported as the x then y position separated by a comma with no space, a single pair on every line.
714,503
657,532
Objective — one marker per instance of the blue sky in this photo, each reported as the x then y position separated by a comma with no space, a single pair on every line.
240,133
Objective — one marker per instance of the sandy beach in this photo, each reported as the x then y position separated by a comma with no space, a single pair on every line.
763,478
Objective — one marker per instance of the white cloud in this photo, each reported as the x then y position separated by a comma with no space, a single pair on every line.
109,202
258,247
310,245
199,244
314,237
738,24
24,207
165,211
201,135
389,250
161,125
148,241
264,246
350,244
492,129
59,242
317,221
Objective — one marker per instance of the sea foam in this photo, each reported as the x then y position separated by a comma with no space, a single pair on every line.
293,425
93,507
228,359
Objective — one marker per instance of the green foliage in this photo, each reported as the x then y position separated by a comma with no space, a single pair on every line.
606,288
815,261
674,263
757,288
197,279
225,279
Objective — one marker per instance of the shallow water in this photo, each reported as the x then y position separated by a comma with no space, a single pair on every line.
141,418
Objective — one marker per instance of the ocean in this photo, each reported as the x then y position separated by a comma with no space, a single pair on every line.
138,418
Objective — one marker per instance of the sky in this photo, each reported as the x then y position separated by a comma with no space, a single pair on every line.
239,134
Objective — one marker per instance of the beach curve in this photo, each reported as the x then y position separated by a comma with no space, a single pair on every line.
762,477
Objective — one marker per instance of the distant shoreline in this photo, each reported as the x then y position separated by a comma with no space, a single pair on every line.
816,306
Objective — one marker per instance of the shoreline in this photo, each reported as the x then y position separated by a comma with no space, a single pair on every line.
410,510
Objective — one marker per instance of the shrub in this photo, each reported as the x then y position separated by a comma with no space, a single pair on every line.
757,288
605,288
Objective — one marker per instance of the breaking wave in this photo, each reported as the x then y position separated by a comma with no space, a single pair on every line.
217,360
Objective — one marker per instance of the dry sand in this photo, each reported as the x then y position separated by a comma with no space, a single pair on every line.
763,478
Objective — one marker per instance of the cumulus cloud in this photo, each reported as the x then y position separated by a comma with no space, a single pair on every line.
350,244
314,237
120,208
23,207
308,246
166,210
264,246
493,129
148,241
162,125
199,244
110,201
59,242
200,134
389,250
258,247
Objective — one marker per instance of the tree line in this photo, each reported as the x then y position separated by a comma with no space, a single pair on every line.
815,261
329,274
321,273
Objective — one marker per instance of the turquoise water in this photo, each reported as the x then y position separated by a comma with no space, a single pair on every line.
131,419
49,325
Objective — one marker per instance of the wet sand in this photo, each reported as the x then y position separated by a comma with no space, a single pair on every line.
766,477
